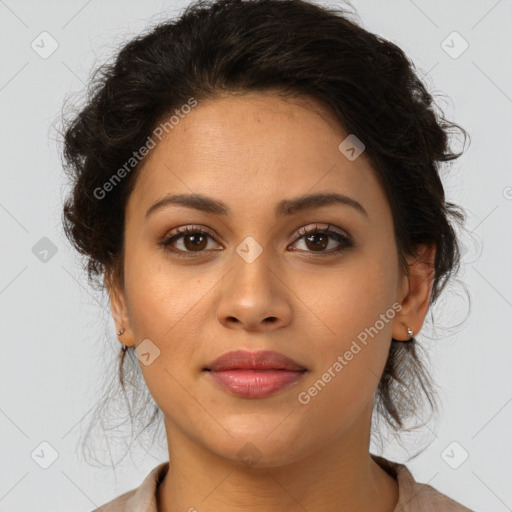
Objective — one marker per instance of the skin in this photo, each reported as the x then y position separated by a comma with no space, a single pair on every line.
252,151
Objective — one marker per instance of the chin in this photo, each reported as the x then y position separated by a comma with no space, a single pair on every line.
259,445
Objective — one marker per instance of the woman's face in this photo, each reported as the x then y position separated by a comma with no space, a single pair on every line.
256,282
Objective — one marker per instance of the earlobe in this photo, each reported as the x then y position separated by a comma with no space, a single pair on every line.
416,301
119,310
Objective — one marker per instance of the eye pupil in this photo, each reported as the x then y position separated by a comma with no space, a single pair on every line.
198,242
323,240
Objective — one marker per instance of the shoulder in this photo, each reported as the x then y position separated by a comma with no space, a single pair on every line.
417,497
118,504
140,499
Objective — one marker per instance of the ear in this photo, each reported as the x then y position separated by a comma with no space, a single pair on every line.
415,292
118,306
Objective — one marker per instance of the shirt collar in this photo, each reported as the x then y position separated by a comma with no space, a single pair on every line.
144,497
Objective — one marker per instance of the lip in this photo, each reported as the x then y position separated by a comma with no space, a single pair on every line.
261,360
255,374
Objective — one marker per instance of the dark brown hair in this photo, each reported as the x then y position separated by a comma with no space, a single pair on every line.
297,49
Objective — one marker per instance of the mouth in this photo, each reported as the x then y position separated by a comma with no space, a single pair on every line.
246,360
255,374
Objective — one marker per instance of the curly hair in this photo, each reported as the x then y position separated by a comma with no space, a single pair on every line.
292,48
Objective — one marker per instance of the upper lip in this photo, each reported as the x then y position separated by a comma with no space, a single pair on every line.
247,360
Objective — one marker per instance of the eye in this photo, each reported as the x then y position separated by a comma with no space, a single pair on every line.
185,241
194,240
316,240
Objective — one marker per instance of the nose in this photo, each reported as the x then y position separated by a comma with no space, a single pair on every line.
254,296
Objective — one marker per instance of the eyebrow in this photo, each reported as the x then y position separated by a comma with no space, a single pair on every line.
283,208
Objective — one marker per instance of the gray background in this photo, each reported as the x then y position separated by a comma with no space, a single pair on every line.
54,351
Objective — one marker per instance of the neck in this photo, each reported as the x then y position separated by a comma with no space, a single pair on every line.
340,476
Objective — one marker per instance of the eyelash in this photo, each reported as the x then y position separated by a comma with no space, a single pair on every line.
344,240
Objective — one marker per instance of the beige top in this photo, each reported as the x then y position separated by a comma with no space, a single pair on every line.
412,496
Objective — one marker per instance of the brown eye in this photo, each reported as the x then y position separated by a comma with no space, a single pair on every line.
195,241
189,238
317,240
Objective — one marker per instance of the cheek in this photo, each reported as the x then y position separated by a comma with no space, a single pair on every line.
167,307
165,300
350,331
344,301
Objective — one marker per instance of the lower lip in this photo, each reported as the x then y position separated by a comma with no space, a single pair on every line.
255,383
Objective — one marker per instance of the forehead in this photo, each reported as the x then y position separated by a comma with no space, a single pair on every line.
255,149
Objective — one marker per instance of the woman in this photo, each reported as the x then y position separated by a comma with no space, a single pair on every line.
257,185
